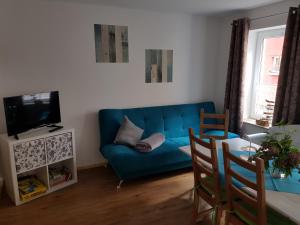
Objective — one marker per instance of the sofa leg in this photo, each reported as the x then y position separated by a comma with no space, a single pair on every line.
120,183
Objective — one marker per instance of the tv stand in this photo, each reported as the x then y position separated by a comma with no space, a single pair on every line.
37,154
55,127
16,137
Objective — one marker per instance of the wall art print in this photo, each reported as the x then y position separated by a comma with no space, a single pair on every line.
111,43
159,66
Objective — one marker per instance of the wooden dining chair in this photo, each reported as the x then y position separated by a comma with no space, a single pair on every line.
242,207
206,177
214,126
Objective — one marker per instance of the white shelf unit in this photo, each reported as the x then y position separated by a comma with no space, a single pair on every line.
33,154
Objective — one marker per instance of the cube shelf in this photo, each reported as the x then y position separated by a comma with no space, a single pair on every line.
35,154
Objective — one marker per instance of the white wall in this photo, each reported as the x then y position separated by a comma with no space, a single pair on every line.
50,46
225,34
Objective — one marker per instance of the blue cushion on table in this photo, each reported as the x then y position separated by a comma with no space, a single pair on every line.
221,133
129,163
289,184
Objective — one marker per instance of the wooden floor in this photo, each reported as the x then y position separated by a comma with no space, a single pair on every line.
160,200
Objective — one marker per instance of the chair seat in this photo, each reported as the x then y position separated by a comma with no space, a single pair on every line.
273,218
210,186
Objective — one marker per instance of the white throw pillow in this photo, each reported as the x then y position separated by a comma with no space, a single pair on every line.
128,133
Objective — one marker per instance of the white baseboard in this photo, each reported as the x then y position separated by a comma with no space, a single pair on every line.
80,168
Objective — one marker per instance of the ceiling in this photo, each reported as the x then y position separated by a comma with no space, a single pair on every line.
203,7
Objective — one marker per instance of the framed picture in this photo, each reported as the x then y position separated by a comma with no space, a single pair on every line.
159,65
111,43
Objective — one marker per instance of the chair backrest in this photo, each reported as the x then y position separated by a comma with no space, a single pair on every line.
223,126
241,204
206,172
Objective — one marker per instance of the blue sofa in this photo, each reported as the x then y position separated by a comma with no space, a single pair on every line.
173,121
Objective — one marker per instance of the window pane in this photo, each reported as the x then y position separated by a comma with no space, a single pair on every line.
268,77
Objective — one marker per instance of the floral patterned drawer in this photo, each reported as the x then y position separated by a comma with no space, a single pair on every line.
29,155
59,147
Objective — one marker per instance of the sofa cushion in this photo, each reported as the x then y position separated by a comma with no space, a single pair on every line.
221,133
128,133
184,141
129,163
180,141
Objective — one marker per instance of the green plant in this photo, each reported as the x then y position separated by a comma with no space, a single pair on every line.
278,148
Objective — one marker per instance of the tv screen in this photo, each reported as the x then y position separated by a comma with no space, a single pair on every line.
31,111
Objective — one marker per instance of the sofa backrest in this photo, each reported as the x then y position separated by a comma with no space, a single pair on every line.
172,121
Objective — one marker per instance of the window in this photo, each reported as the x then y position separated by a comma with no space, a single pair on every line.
263,65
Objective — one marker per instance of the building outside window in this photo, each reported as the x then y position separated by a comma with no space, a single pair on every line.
263,66
276,60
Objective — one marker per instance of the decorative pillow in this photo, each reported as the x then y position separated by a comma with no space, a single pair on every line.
128,133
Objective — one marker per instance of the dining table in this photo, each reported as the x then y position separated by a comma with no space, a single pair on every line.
282,194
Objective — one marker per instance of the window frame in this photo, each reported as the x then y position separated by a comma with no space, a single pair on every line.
257,63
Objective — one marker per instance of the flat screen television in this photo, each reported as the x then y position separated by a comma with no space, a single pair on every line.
31,111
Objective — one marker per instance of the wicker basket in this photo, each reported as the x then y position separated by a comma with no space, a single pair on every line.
263,122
